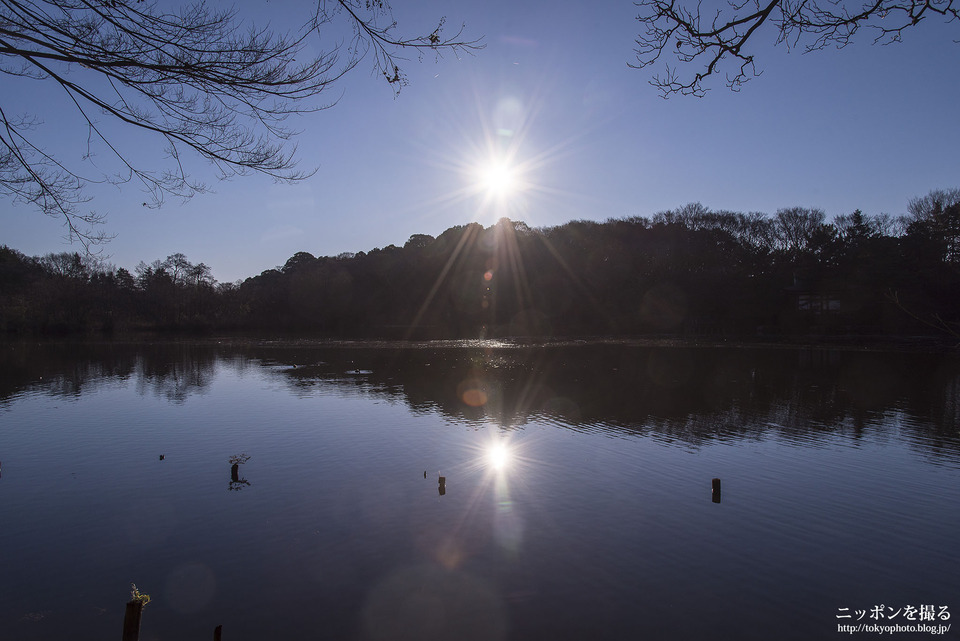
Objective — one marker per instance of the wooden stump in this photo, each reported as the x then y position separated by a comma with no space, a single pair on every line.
131,621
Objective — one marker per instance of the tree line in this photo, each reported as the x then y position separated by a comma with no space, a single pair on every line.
688,271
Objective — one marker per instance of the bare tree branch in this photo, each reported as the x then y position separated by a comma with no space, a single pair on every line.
715,41
201,80
934,320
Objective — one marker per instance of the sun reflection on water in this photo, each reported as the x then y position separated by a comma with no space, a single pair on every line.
500,459
498,456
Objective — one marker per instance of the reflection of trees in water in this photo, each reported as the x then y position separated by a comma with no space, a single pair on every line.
691,395
169,371
930,418
61,369
175,372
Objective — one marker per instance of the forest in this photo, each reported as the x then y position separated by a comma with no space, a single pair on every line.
690,272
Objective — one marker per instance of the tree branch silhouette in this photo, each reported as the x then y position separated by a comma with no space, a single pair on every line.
934,320
201,79
715,40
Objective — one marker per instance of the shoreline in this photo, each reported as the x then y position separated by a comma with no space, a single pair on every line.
872,343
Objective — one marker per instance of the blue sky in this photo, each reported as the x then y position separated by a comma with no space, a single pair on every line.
867,127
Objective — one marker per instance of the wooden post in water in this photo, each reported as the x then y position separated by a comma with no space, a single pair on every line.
217,632
716,490
131,620
443,485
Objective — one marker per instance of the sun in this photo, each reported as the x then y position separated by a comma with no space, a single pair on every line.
498,178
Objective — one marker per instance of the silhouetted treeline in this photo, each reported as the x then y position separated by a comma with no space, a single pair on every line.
72,292
689,271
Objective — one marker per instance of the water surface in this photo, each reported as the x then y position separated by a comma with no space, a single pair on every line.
577,501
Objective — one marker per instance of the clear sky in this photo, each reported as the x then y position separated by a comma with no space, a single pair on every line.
867,127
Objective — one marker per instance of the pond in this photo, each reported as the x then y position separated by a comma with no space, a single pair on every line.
476,490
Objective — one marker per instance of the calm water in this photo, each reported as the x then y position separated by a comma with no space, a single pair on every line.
578,501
